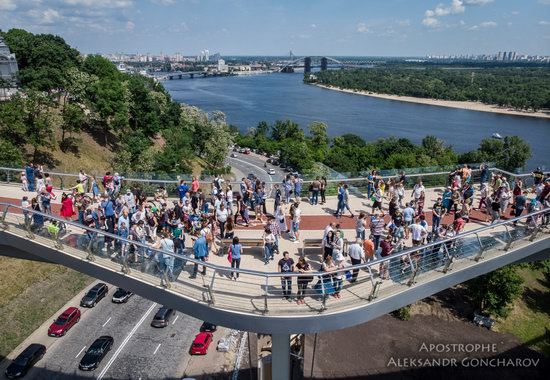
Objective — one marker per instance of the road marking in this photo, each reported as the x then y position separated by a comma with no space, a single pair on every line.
256,166
154,353
177,316
79,352
107,321
125,342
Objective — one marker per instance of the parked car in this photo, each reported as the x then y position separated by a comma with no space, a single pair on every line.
275,162
162,317
271,171
208,327
484,321
94,295
201,343
95,354
121,296
269,161
25,361
223,345
64,322
233,155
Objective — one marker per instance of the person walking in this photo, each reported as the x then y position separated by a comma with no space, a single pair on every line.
377,225
360,226
286,265
357,255
303,267
236,251
200,250
221,217
269,245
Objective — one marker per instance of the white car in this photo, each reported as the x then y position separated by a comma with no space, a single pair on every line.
271,171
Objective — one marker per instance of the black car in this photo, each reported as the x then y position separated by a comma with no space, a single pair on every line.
162,317
25,360
208,327
94,295
96,353
122,296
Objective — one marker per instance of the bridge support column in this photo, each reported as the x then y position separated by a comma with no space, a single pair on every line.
280,357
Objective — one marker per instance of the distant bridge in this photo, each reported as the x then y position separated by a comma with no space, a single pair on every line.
307,64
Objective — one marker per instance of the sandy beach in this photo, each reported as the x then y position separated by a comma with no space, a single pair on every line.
472,106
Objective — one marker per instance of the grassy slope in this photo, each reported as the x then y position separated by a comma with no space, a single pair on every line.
530,317
30,292
92,157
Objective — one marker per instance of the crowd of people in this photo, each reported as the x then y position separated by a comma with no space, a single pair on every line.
209,217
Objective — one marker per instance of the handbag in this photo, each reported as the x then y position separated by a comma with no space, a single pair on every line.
229,255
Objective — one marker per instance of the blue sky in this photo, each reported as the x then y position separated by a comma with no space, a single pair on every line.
261,27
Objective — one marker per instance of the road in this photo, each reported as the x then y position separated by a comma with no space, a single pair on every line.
139,351
244,164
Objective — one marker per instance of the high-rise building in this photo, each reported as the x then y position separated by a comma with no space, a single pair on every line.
499,57
207,55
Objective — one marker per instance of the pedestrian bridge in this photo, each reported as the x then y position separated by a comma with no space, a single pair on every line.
255,302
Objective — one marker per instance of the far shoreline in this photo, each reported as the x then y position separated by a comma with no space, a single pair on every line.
470,106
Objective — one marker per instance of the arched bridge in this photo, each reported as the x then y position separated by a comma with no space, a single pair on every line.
307,62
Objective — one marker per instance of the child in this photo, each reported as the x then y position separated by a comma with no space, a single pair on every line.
24,182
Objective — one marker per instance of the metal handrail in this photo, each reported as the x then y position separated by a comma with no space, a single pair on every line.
277,274
337,180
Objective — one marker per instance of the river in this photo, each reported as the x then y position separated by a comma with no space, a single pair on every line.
247,100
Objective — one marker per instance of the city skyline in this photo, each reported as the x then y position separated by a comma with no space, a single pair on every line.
243,27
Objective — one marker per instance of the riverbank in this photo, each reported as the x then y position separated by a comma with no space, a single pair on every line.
471,106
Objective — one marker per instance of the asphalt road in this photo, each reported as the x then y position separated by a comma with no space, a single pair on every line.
139,351
254,163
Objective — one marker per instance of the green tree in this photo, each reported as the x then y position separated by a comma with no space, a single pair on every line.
319,140
494,292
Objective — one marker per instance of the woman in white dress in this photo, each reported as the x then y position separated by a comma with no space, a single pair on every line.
280,216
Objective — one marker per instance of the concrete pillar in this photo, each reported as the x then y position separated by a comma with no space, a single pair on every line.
280,357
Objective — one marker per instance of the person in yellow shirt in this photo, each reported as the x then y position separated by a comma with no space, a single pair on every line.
53,229
79,188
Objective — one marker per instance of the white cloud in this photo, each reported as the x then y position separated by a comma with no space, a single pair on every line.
484,25
544,23
314,26
477,2
163,2
7,5
431,16
515,13
544,2
44,17
130,25
403,22
362,28
430,22
101,3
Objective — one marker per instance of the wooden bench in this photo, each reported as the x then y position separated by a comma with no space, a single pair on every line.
318,243
244,242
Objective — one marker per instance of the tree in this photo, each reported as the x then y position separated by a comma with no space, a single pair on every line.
217,144
319,140
508,154
296,153
495,291
73,118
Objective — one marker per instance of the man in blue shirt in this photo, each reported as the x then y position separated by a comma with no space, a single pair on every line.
200,248
182,189
408,216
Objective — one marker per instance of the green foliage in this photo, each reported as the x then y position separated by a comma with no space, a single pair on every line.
509,154
42,58
494,292
403,313
520,88
10,154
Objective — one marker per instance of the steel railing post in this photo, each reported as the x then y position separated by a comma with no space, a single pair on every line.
324,303
479,255
448,259
414,269
210,289
265,294
5,225
534,233
89,248
510,239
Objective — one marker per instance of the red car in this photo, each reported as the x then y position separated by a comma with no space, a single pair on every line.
64,322
201,343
